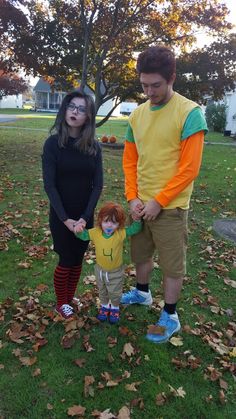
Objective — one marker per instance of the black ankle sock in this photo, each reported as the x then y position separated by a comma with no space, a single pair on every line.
170,308
142,287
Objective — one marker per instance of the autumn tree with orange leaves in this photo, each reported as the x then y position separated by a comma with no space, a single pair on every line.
95,42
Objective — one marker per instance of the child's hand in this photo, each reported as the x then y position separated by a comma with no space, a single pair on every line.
79,226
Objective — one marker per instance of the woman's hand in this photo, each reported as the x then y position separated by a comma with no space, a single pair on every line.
69,223
79,226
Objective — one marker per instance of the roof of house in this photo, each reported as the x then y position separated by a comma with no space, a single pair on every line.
43,86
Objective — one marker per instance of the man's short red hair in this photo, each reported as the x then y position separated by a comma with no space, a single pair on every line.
113,212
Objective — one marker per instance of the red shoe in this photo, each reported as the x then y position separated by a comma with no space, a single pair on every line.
65,311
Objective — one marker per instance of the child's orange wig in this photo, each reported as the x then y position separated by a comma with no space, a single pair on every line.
113,212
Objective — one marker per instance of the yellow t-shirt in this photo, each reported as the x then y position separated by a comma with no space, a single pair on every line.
157,134
109,250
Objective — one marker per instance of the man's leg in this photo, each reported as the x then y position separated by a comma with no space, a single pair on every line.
171,242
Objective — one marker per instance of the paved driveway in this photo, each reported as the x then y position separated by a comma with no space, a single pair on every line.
7,118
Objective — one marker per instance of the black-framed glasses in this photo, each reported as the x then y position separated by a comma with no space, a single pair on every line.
79,109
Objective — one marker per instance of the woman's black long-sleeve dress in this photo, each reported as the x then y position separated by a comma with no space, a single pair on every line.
73,182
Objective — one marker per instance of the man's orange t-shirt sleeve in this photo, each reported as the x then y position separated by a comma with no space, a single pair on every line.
130,160
189,165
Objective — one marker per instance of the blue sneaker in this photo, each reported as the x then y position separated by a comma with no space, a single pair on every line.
114,315
103,314
170,324
137,297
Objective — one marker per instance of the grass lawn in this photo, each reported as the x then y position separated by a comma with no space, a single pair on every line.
48,366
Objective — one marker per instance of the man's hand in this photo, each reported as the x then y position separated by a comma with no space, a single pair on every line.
136,206
151,210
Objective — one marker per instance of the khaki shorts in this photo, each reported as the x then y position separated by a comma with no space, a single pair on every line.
167,234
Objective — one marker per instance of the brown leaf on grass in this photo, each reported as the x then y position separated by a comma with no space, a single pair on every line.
36,252
112,341
17,352
176,341
27,361
161,399
76,410
72,325
39,344
124,413
110,358
124,331
209,398
156,330
222,397
214,373
24,265
112,383
137,402
128,349
68,341
86,344
180,392
89,279
36,372
230,282
42,287
106,414
223,384
88,389
79,362
132,386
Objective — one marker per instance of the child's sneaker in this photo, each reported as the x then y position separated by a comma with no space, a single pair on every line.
65,311
114,315
103,314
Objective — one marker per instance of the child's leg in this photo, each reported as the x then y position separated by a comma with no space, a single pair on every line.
115,288
103,294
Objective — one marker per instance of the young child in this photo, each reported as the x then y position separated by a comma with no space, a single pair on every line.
108,237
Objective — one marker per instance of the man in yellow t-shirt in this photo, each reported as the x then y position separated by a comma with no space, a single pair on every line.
162,157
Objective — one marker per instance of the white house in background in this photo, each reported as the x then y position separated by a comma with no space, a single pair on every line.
230,101
12,101
127,107
49,100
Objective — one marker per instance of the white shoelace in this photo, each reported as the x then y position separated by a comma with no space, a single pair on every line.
67,309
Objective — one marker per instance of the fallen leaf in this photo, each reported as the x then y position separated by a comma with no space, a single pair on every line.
79,362
156,330
124,413
36,372
230,282
176,341
132,386
76,411
128,349
27,361
161,399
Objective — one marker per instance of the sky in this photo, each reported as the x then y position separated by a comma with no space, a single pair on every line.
203,39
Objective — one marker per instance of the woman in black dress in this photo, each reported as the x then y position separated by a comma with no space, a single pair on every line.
73,180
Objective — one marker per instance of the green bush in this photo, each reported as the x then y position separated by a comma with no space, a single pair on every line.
216,117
